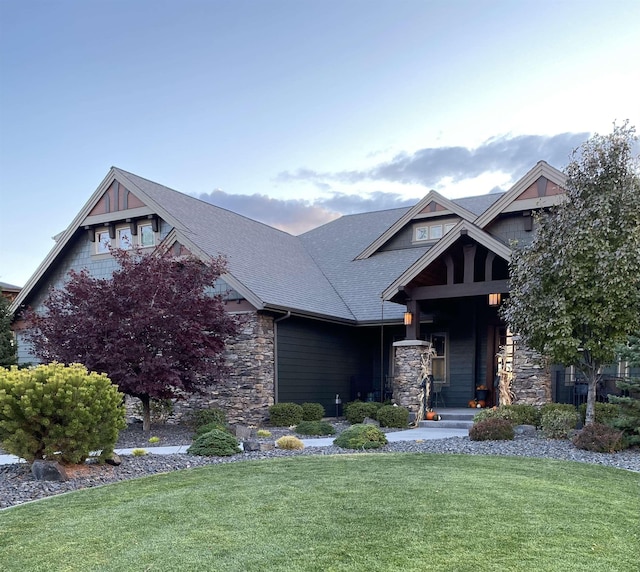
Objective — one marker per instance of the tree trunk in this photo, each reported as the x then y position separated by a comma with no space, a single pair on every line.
591,399
146,413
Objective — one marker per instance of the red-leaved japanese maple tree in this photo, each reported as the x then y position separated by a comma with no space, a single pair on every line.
154,327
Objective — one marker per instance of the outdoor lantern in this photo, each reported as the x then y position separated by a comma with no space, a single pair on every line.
408,318
494,299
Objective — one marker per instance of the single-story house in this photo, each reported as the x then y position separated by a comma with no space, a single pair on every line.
345,309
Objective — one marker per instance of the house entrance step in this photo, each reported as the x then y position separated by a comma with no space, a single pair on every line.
452,418
444,424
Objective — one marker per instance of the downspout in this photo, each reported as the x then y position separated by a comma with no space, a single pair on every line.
275,353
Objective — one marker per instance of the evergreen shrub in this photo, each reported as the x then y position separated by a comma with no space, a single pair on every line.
599,438
206,416
312,412
523,414
497,413
315,428
210,427
215,443
558,423
59,412
290,442
356,411
492,430
392,416
285,414
361,437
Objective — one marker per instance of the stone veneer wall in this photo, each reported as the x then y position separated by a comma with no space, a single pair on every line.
246,393
531,382
405,385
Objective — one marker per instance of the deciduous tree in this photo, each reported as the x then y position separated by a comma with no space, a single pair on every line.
575,289
154,327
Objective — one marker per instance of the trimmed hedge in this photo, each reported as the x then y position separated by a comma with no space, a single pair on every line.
285,414
392,416
312,412
558,423
356,411
605,412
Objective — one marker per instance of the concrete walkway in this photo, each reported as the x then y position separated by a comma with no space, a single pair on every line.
420,434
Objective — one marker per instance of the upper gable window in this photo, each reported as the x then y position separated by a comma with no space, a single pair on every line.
146,235
103,242
125,239
432,231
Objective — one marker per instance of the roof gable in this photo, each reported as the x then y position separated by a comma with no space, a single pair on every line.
540,187
433,204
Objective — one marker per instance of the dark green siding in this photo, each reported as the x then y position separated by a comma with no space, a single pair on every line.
317,360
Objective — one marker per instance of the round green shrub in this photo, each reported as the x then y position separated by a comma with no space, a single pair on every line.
285,414
361,437
209,427
312,412
393,416
492,430
215,443
207,416
523,414
605,413
498,413
557,407
315,428
600,438
290,442
356,411
557,423
59,412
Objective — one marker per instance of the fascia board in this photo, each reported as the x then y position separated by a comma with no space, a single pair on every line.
65,236
451,208
541,169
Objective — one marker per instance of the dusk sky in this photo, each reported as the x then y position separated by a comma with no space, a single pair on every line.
293,112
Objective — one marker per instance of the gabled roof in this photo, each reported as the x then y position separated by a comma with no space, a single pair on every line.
269,267
541,169
441,205
462,228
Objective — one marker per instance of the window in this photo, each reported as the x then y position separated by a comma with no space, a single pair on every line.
439,361
125,240
103,241
433,231
146,236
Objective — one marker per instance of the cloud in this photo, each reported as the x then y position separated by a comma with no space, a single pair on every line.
291,215
429,166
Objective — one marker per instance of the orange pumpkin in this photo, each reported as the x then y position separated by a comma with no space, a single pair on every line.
482,403
473,403
432,416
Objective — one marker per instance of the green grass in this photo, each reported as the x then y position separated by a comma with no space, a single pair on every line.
345,513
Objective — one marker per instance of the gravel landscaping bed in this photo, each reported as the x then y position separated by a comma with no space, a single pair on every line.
17,485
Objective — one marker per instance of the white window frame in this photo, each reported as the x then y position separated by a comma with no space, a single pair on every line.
141,226
124,232
102,245
432,232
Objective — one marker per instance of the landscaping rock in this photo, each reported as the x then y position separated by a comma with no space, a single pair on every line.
48,471
525,430
369,421
242,432
114,460
250,446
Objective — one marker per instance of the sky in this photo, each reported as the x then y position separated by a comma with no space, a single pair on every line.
293,112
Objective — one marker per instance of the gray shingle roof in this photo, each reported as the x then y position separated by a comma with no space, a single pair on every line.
272,264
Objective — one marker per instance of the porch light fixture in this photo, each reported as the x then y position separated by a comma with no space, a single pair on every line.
408,318
494,299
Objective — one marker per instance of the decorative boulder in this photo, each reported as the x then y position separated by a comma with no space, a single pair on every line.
369,421
525,430
48,471
114,460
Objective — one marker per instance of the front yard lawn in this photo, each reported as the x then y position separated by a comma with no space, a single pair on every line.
379,512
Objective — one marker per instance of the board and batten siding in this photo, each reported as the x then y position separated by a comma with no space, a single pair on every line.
318,360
